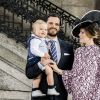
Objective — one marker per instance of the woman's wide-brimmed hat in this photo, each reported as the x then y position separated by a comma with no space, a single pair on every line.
86,20
83,24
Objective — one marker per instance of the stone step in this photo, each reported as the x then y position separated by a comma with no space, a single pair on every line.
11,45
14,85
12,59
9,72
14,95
13,52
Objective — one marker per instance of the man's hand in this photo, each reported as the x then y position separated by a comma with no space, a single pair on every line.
45,61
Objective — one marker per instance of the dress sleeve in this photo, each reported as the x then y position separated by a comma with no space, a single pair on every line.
98,61
67,75
67,79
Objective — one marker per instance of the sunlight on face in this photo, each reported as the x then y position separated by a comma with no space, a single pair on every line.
41,30
53,24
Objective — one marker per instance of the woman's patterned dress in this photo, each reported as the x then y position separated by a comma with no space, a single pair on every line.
84,79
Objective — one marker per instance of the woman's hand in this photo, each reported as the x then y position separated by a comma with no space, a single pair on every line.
54,66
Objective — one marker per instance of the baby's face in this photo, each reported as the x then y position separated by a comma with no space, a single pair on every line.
41,30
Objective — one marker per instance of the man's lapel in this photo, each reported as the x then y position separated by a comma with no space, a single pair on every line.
61,50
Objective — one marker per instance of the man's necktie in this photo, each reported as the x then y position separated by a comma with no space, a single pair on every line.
53,50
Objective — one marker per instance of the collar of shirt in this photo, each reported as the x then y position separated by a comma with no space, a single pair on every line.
37,37
54,39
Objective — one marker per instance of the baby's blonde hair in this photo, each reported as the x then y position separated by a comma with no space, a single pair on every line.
37,23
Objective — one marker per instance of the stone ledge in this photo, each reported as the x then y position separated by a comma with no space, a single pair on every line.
15,73
13,58
14,95
11,45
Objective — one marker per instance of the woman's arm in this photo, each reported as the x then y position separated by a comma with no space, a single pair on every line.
66,76
55,68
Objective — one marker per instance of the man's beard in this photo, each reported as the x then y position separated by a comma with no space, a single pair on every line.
51,33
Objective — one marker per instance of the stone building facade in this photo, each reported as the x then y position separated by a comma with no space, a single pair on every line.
77,7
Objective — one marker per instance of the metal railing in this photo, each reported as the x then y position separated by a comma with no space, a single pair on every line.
30,10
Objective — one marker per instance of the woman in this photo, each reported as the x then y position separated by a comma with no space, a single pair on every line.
83,81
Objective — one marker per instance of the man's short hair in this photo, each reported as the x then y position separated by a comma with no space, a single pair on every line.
53,15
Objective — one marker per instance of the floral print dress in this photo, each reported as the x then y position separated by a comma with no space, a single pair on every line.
84,79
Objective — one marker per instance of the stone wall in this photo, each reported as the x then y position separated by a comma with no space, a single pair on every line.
14,85
75,7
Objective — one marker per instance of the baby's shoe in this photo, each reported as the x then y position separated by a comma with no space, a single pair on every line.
37,93
52,92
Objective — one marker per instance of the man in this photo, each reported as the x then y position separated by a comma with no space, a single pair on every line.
65,56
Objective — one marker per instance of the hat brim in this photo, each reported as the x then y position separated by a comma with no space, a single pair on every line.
76,29
93,15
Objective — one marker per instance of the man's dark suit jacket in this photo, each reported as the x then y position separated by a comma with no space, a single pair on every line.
65,63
